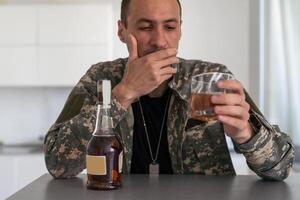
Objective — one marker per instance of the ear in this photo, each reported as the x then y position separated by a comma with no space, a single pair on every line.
121,31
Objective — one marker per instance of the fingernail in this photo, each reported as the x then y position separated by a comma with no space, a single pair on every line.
216,109
220,118
214,98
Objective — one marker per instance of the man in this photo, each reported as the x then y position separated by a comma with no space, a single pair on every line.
150,80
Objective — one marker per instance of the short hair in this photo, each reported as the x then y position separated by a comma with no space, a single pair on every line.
125,8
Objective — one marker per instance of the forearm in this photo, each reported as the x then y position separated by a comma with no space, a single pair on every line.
270,153
66,141
65,149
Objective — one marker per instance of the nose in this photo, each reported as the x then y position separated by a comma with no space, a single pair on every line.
158,39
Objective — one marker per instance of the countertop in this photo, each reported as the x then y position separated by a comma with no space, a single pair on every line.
21,149
165,187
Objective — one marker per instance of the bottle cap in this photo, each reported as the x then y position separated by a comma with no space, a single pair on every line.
106,92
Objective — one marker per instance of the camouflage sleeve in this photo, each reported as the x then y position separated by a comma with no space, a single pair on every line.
66,141
270,153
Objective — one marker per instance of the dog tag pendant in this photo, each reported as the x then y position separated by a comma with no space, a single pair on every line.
154,168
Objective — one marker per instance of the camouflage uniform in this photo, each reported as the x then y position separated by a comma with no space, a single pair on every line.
195,147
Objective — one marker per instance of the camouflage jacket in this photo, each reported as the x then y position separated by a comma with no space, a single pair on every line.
195,147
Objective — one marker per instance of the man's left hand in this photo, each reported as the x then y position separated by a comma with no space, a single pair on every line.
233,111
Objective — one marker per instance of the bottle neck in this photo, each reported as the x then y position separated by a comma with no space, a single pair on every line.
104,121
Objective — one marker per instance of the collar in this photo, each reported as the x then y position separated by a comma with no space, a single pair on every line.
180,82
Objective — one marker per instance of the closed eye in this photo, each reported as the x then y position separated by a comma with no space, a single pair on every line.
145,28
170,28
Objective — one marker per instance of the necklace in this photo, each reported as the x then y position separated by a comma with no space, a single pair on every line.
154,166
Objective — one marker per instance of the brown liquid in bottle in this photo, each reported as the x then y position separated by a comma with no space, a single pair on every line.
110,147
104,154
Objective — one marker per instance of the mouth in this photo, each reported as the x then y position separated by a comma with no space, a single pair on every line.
149,51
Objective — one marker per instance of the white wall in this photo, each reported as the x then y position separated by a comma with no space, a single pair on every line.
217,31
44,50
27,113
213,30
224,31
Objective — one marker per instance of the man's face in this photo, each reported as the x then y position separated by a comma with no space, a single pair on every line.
156,25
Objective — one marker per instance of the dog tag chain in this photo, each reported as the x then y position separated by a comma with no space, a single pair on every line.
154,166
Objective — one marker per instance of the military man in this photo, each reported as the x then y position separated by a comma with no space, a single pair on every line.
151,91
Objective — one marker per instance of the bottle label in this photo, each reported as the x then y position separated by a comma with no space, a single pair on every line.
96,165
120,162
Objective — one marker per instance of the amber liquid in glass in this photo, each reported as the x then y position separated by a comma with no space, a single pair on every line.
202,107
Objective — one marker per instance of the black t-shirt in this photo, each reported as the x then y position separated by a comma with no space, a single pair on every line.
153,110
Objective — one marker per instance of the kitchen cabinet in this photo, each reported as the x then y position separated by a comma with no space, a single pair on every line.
53,45
64,66
18,170
18,33
18,65
74,24
18,25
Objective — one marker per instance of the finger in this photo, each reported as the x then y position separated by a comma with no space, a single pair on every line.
229,99
166,62
162,54
167,71
234,85
233,111
132,47
165,77
233,122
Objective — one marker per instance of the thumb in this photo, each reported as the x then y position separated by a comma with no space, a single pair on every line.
132,47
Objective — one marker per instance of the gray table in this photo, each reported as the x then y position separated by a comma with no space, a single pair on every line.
185,187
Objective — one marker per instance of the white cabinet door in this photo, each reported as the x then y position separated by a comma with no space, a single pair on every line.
17,45
64,66
73,24
18,66
72,38
17,171
18,25
53,45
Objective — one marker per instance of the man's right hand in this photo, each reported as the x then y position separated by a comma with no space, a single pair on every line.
144,74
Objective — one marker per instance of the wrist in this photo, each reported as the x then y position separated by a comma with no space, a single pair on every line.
245,135
122,94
